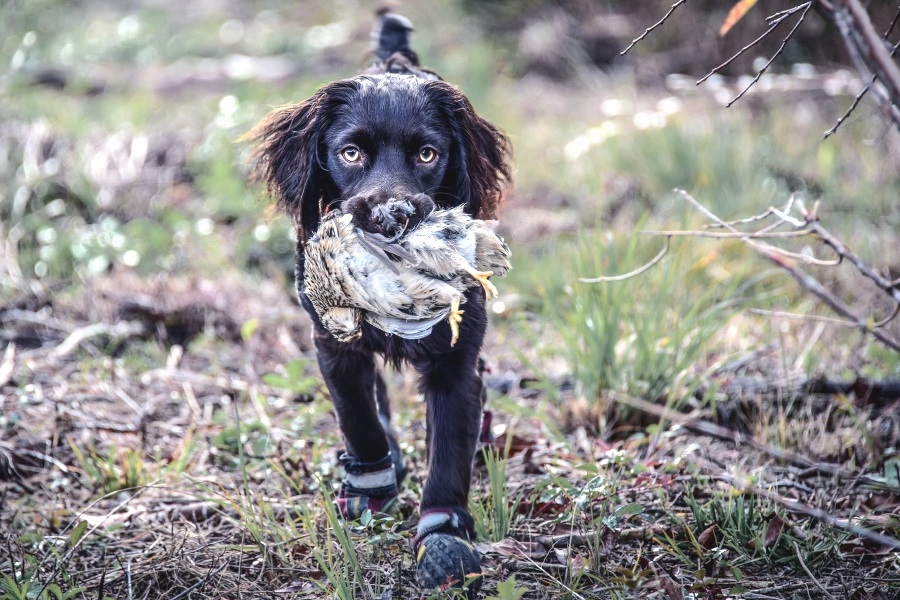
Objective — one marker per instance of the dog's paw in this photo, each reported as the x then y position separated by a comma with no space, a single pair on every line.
445,561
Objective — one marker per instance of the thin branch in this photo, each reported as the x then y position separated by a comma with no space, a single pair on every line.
889,318
810,260
774,56
759,217
776,20
713,430
853,39
735,234
784,14
704,427
122,329
634,273
843,251
865,89
652,27
779,314
853,106
809,573
888,72
762,234
808,283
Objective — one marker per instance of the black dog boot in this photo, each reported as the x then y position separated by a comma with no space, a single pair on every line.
368,486
445,555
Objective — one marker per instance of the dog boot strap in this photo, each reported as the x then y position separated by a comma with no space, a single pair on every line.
453,520
367,486
373,479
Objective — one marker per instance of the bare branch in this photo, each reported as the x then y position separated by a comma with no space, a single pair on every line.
774,56
634,273
703,427
843,251
857,43
779,314
759,217
762,234
853,106
652,27
774,21
865,89
808,283
889,318
872,46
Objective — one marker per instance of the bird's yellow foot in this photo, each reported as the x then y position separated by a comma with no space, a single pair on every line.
482,277
455,319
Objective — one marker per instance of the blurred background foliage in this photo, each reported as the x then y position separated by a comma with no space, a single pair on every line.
118,123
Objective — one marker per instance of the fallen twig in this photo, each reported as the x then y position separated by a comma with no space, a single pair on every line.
809,573
7,365
701,426
121,329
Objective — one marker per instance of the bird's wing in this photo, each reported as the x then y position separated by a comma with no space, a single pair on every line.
381,247
405,328
491,252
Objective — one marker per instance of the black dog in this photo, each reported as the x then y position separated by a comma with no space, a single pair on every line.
386,146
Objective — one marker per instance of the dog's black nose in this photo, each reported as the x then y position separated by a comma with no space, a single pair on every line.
391,217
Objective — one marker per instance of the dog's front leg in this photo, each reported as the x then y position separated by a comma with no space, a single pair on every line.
370,481
453,393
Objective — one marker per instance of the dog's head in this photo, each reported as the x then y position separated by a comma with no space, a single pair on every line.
385,148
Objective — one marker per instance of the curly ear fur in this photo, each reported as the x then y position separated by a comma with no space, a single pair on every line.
483,176
285,155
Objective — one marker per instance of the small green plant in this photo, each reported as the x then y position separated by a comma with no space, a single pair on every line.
22,581
114,471
750,530
343,567
494,514
10,589
640,336
508,590
293,379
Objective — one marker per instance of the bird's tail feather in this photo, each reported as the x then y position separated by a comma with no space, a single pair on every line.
391,35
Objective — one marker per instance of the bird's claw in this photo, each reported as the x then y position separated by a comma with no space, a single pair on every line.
482,276
455,318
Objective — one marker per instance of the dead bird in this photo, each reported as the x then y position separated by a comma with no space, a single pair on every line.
405,284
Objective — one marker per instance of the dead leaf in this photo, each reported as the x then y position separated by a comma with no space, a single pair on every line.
517,443
776,524
516,549
736,13
707,538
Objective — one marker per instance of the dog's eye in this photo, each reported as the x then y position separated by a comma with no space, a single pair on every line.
351,154
427,155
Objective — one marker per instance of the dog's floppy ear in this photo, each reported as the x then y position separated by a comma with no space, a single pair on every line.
482,172
285,155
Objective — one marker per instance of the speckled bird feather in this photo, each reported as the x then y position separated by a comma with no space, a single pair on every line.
403,287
